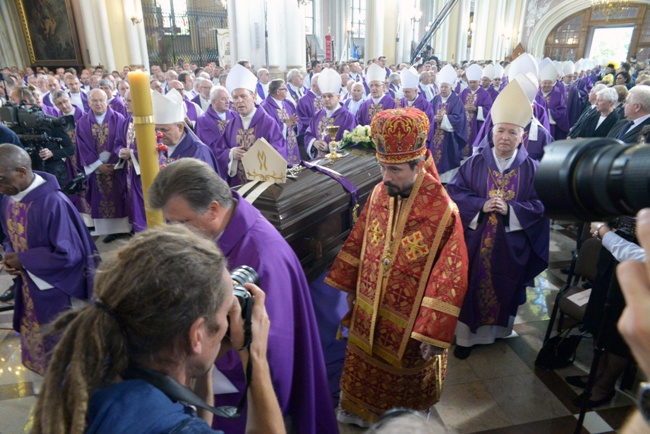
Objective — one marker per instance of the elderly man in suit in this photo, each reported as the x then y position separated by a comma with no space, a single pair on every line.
637,115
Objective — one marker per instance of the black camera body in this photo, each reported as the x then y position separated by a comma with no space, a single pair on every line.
241,275
595,179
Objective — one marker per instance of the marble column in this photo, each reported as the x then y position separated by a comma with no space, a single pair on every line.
277,43
131,32
142,37
295,36
105,30
91,33
246,24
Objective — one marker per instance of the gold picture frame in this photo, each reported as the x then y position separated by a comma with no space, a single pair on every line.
50,32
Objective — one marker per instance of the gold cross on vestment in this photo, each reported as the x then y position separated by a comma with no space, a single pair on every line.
414,246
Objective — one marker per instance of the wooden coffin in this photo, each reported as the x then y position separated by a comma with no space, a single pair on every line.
312,211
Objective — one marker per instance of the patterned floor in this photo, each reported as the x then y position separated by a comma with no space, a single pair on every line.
497,390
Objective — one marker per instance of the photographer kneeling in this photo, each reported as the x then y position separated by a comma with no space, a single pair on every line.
47,143
163,304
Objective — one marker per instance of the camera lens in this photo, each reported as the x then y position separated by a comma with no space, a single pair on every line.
593,179
244,274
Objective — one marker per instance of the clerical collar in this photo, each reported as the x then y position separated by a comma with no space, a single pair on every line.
444,99
504,163
100,118
222,116
545,94
37,181
410,103
278,102
376,100
71,112
246,120
171,149
329,113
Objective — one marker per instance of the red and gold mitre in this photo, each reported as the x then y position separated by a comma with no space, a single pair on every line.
400,135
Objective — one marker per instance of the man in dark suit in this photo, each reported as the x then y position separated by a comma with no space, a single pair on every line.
637,115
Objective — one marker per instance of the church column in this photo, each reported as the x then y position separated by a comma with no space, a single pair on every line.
91,33
142,37
510,29
247,34
295,34
444,41
390,27
463,24
276,22
14,49
104,29
499,22
374,29
481,32
405,34
131,32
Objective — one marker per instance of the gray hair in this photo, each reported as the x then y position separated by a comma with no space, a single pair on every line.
393,77
58,94
105,82
641,95
193,180
608,94
598,88
215,92
292,73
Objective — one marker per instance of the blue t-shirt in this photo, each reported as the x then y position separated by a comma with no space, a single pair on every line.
136,407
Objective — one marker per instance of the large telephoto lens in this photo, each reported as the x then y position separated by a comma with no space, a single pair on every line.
593,179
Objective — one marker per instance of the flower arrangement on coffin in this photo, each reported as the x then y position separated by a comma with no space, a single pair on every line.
359,136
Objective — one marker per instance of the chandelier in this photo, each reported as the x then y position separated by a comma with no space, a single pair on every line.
609,8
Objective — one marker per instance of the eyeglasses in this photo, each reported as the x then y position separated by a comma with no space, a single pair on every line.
283,88
97,101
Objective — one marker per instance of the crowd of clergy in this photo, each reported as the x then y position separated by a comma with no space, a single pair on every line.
216,114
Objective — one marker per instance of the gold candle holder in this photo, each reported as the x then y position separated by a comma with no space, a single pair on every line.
333,130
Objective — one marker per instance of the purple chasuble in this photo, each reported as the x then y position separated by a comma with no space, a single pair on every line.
50,111
573,104
480,98
307,106
501,262
210,127
446,148
134,196
191,147
280,115
556,104
190,110
294,349
53,244
421,104
341,118
369,109
118,106
492,92
104,193
262,125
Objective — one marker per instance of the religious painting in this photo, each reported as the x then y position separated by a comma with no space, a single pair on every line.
49,32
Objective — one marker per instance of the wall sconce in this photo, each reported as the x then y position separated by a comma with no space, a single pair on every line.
136,20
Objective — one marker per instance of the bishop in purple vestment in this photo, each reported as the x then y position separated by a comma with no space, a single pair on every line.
557,109
448,134
308,106
211,125
99,134
294,349
48,249
237,139
477,102
277,106
506,233
338,116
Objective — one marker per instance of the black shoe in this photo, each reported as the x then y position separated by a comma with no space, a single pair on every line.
576,381
8,295
581,400
112,237
461,352
587,285
564,270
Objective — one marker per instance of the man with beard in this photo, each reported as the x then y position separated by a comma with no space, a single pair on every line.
404,268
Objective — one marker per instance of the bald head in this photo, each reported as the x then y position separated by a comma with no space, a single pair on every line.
15,169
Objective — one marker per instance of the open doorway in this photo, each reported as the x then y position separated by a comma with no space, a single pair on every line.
609,43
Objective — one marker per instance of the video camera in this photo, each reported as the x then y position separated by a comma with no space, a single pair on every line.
593,179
